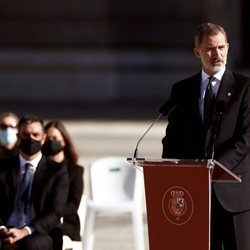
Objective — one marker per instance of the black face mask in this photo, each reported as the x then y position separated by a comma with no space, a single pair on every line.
30,146
52,147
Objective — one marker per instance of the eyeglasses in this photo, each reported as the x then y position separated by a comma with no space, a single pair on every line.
5,126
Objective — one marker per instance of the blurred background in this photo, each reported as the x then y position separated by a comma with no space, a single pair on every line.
105,67
90,57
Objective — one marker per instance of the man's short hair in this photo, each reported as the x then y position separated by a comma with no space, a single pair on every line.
207,29
28,119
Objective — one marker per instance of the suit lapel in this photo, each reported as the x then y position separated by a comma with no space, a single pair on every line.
39,174
226,87
225,93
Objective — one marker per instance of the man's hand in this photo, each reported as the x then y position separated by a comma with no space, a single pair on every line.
3,231
3,235
14,234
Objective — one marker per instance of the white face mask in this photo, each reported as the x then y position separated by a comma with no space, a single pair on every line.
8,136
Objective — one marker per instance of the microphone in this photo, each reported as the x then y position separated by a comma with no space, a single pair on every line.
219,111
165,110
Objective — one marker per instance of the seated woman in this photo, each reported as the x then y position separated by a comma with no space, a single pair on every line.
59,147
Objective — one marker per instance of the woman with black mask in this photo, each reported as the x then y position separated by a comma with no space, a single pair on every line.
59,147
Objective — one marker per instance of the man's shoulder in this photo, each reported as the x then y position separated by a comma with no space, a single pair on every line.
9,162
188,82
191,79
241,77
188,87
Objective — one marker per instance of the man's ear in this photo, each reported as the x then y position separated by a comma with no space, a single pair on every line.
44,138
197,52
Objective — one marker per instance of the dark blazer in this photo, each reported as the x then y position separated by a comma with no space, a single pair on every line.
7,153
186,138
71,223
48,195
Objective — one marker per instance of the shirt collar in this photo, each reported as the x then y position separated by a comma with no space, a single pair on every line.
33,162
218,75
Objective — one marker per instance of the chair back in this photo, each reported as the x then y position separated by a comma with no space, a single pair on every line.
114,180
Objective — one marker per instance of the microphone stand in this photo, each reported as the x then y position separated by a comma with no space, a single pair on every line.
165,110
136,147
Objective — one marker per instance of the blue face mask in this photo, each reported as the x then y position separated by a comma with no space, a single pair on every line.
8,136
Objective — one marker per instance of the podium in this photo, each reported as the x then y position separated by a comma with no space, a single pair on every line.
178,201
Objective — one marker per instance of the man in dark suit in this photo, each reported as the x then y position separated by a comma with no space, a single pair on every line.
33,192
224,134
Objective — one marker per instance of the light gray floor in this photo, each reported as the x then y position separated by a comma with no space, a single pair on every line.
96,139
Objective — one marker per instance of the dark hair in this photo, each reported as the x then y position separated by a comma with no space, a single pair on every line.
207,29
28,119
69,149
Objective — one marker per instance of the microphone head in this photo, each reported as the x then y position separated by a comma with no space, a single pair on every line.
167,107
220,108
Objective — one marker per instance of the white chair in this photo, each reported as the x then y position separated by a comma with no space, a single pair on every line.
116,187
69,244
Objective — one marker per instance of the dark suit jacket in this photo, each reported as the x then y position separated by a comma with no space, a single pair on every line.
71,223
7,153
186,138
48,195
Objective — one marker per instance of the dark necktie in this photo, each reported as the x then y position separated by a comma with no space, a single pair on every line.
26,183
25,188
209,101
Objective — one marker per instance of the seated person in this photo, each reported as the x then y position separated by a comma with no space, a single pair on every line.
59,147
8,135
33,190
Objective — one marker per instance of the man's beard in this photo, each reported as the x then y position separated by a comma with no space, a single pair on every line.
216,68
